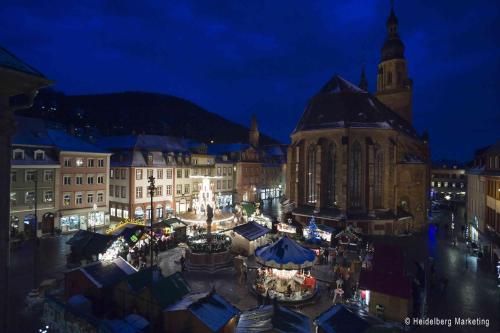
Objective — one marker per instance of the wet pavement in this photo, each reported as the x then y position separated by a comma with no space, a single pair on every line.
471,292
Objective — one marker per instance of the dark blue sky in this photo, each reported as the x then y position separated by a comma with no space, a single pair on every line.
236,58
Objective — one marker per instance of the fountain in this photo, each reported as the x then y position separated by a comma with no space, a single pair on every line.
207,198
208,252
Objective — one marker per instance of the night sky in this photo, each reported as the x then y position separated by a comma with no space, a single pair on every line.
236,58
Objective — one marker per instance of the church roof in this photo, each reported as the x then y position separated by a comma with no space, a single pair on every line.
342,104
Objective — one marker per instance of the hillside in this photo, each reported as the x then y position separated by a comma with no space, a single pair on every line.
138,112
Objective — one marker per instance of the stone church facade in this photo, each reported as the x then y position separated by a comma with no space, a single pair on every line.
355,158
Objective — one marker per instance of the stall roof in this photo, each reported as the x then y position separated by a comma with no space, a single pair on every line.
171,222
339,319
251,230
104,274
166,290
86,243
210,308
273,318
285,254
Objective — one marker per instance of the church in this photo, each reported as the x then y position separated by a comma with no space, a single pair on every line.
355,158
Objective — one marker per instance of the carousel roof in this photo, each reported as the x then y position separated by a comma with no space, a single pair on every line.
285,254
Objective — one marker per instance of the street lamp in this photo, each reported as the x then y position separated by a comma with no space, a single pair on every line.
36,243
151,189
94,214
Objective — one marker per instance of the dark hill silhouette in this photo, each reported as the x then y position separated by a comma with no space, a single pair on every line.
140,113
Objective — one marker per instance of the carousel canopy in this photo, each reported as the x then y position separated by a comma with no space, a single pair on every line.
285,254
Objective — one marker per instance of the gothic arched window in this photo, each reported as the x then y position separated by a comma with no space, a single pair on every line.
378,180
355,176
331,169
311,175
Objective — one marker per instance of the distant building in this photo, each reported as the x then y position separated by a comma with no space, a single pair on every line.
137,157
356,158
483,197
259,171
448,181
71,177
83,183
34,160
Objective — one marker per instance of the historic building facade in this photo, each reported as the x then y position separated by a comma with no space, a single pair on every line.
483,196
258,170
34,179
355,157
448,181
136,158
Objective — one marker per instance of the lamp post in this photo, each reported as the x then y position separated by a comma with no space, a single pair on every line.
94,213
151,189
35,238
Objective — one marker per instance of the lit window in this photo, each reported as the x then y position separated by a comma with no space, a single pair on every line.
66,199
48,196
79,162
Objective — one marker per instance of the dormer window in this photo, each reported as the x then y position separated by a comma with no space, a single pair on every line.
150,159
39,155
18,154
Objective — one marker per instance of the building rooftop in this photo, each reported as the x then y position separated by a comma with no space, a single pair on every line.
342,104
10,61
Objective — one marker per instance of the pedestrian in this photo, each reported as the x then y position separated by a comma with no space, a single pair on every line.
156,251
129,257
182,263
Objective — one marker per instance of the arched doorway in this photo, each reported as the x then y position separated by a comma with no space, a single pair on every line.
48,223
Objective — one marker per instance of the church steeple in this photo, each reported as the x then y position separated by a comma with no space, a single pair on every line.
363,83
394,87
253,134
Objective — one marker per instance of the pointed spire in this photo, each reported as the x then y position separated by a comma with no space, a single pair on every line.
363,83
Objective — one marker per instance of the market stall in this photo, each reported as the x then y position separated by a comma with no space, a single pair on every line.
247,237
173,228
348,239
285,272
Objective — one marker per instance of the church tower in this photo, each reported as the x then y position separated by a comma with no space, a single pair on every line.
254,133
394,87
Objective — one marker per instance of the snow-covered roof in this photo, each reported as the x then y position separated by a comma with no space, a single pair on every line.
161,143
340,319
251,230
272,318
210,308
220,148
285,254
66,142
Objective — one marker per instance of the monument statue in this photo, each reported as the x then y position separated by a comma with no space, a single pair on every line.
210,215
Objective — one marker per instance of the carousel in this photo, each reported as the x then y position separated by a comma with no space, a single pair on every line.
285,272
